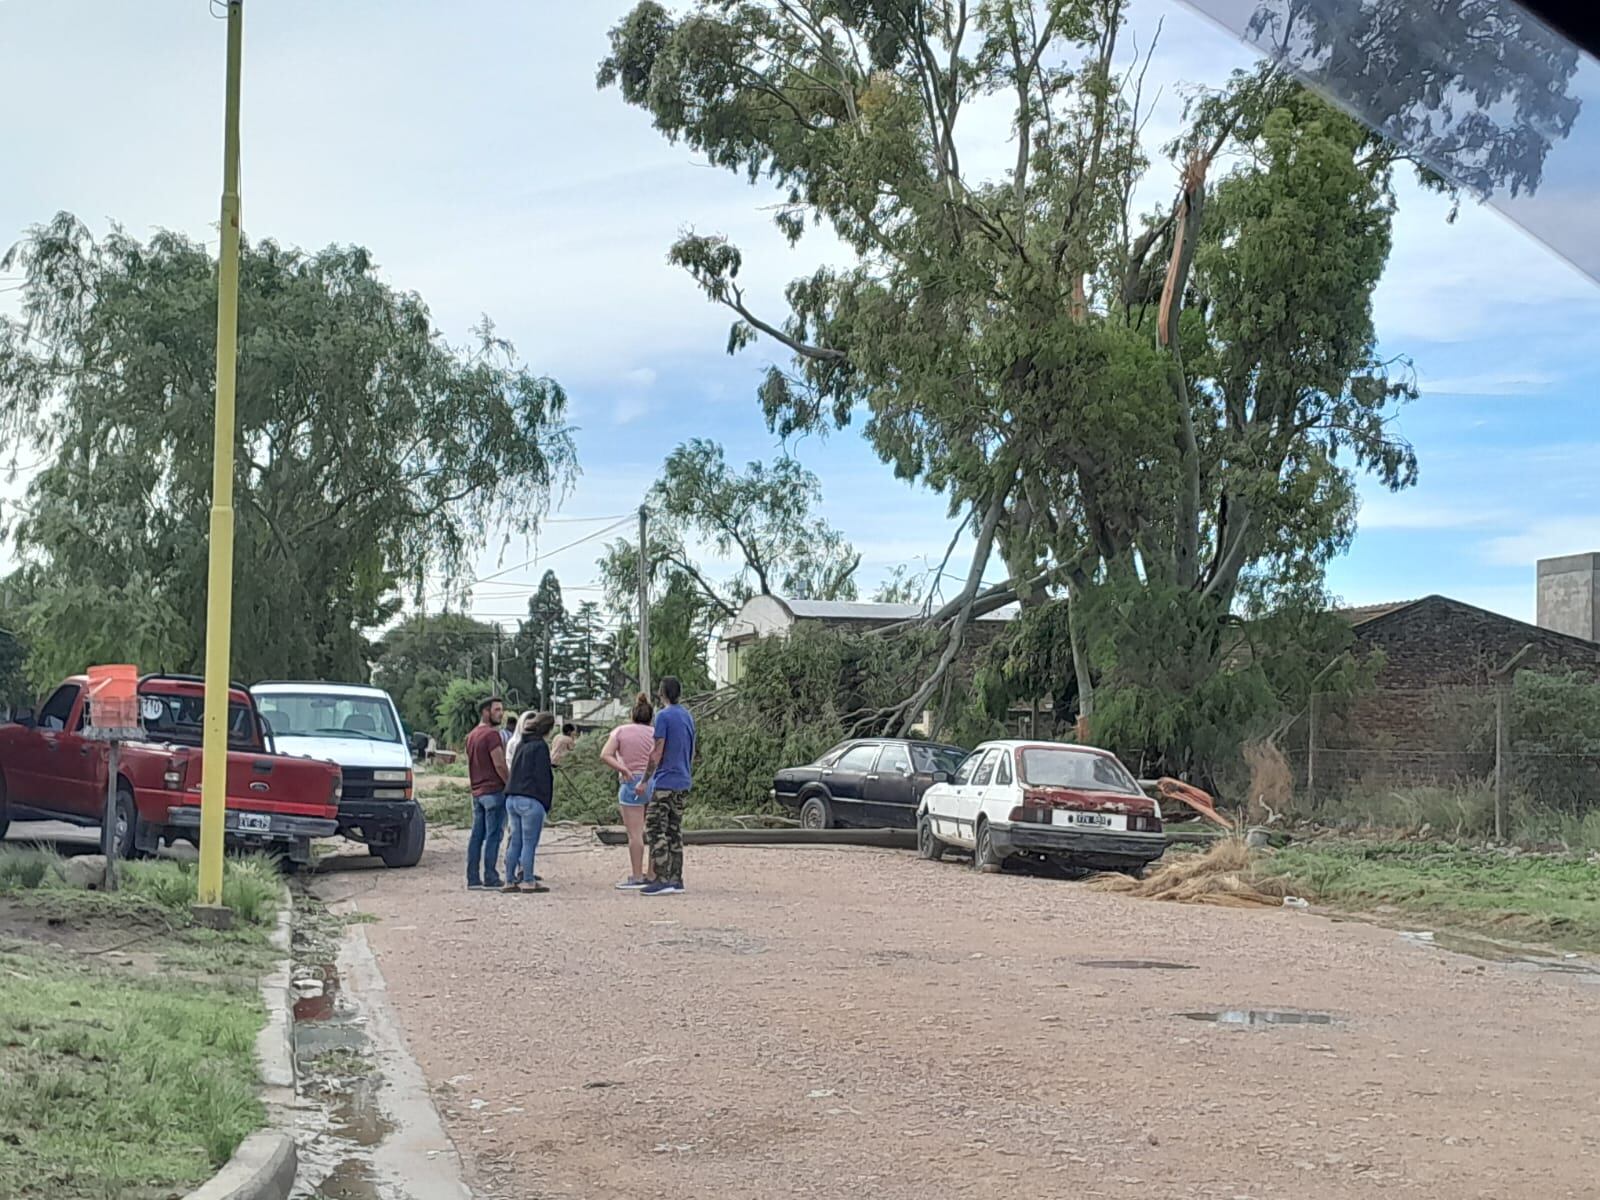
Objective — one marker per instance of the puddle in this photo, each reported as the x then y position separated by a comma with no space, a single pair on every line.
1259,1016
344,1125
1504,953
1136,964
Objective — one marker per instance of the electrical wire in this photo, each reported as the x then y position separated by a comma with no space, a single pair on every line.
552,553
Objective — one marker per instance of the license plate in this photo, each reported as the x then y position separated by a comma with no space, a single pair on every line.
1087,820
255,823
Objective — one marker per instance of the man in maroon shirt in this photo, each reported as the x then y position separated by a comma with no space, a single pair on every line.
487,773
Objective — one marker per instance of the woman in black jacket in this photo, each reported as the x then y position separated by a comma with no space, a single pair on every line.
529,793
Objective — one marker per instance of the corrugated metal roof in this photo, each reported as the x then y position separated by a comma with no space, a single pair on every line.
862,610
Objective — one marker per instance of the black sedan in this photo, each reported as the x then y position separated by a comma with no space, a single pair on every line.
874,783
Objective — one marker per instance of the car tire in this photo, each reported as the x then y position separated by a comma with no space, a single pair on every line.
928,844
984,857
815,813
407,850
5,809
127,817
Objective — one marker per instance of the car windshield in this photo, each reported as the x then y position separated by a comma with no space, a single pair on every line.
317,714
931,759
1078,769
172,717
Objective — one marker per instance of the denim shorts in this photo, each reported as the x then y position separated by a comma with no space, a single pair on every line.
626,797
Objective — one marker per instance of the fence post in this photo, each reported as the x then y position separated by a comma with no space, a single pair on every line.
1313,731
1502,754
1503,680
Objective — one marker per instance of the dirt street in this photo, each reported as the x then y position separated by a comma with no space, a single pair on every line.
832,1023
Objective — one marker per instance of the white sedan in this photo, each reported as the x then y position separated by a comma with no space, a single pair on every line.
1050,801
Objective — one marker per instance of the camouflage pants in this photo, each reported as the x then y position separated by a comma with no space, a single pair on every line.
663,830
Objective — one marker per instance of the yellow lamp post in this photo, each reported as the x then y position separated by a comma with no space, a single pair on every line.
219,587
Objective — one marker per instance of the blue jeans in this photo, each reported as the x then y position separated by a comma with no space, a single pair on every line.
483,847
527,822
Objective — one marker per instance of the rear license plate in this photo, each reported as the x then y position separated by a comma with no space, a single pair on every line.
1089,820
255,823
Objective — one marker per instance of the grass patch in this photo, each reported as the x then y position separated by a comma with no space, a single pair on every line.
1551,898
119,1085
1463,811
251,886
447,806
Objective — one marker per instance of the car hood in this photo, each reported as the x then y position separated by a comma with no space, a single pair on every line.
347,752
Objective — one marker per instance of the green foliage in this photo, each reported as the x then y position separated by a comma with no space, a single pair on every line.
415,661
678,632
1555,738
369,451
23,868
458,708
252,885
538,638
1171,458
585,653
761,518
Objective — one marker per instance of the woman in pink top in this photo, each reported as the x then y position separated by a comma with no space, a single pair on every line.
627,752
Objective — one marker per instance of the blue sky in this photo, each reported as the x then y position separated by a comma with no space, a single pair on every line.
469,150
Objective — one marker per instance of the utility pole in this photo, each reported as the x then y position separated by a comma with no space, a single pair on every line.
494,661
219,582
644,600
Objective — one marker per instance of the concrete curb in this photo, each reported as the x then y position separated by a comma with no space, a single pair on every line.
275,1042
262,1168
264,1165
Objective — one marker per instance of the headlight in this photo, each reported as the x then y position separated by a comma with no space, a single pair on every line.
391,777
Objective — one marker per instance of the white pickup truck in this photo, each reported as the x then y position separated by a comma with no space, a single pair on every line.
359,728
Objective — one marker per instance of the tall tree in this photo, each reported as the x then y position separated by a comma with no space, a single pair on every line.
538,637
761,518
586,652
1151,414
370,451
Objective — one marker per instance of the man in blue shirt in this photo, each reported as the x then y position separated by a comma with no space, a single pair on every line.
672,765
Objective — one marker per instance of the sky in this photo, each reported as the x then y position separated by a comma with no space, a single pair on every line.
468,148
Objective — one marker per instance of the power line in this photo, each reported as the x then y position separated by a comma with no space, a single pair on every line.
558,550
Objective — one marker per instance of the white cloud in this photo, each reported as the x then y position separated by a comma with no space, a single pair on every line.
1545,537
1489,383
625,410
1387,510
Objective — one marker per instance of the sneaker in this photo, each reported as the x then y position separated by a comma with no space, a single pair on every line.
534,887
659,888
474,886
632,884
513,886
493,885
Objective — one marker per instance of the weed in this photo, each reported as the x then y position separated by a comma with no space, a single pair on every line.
25,867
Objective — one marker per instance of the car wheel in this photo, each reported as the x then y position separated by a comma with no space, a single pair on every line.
928,844
5,809
407,851
815,814
127,821
984,857
1134,872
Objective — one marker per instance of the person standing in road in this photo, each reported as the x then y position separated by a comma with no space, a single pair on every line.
563,744
486,774
669,776
529,794
627,752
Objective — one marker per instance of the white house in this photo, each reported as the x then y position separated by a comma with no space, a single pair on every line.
775,616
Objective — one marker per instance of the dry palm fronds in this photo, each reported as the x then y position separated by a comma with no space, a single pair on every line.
1223,875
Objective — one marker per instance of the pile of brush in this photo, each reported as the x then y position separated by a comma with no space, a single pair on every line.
1228,874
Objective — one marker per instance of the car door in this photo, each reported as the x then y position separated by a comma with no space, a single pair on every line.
947,802
974,794
997,799
891,799
846,781
59,773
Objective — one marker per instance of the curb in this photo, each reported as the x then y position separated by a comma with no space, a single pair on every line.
264,1165
262,1168
275,1042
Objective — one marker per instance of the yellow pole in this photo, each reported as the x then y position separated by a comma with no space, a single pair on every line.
219,587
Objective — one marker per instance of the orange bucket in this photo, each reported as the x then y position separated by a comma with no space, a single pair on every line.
114,697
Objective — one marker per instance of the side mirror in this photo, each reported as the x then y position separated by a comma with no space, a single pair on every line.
25,718
905,772
941,776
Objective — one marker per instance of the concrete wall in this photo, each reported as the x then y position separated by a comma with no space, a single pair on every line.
1568,588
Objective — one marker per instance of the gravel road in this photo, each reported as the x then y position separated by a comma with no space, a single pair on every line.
844,1022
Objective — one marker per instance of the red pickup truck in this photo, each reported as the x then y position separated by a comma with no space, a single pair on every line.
50,771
